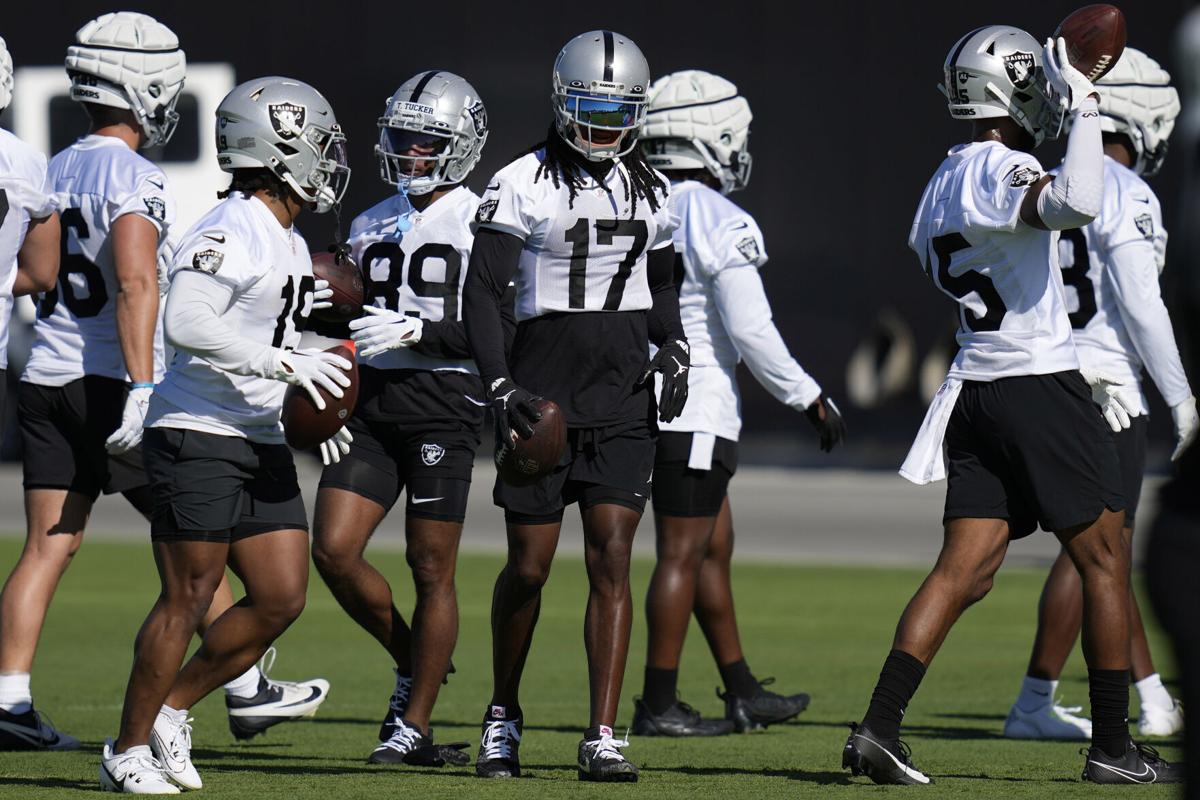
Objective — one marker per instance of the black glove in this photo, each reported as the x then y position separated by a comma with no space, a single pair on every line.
832,428
673,360
514,410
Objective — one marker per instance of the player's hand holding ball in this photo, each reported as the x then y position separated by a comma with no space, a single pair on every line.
334,448
672,361
515,410
827,420
310,369
382,329
1068,86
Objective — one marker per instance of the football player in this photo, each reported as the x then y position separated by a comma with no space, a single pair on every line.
696,133
29,228
1120,323
1023,439
420,402
581,224
223,481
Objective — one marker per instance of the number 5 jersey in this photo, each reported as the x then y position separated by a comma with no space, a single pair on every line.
95,181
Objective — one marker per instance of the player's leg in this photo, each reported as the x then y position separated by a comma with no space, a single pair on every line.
749,705
972,551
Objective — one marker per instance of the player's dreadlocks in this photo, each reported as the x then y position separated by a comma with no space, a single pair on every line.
563,164
249,180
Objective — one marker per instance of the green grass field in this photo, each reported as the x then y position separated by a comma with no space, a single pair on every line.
817,629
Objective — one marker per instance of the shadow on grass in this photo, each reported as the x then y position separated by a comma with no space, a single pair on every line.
975,717
51,783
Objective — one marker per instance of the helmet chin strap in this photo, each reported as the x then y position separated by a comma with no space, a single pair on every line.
404,221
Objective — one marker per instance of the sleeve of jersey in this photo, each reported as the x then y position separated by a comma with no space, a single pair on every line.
666,223
504,207
1133,268
993,202
746,314
740,245
495,257
192,322
149,199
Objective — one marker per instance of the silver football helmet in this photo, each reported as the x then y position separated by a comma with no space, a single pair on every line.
1138,100
289,128
130,60
601,81
433,117
697,120
6,75
996,71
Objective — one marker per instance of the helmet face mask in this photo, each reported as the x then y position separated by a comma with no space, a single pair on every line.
431,134
600,96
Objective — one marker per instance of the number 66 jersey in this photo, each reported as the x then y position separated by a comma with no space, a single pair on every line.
1003,274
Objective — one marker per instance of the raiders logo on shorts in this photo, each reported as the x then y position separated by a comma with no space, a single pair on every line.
432,454
207,261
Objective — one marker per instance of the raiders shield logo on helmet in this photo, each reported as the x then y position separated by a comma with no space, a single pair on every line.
287,119
1019,67
479,118
432,453
156,207
208,261
1145,224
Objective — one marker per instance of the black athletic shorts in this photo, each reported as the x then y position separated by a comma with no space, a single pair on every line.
211,488
1131,449
1033,450
599,465
63,430
680,491
384,458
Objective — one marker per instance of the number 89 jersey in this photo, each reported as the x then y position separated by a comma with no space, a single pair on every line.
267,272
96,180
1003,273
585,254
419,272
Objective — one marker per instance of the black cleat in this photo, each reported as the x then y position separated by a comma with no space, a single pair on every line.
407,745
601,760
1139,764
499,745
397,707
763,709
678,720
881,760
32,731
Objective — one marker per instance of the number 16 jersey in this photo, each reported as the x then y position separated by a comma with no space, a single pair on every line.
1003,273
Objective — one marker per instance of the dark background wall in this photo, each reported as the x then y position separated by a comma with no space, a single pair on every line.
847,128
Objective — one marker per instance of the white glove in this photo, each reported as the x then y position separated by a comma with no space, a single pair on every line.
333,448
1104,394
1068,86
311,369
383,329
129,435
1187,423
321,295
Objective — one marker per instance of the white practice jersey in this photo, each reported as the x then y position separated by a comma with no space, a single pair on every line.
420,272
1002,273
725,314
1110,269
96,180
267,271
581,255
24,195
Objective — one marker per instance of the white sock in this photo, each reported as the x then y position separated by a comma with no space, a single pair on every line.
246,685
1152,693
1036,693
14,692
174,714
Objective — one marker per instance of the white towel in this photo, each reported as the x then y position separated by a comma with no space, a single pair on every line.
700,456
926,461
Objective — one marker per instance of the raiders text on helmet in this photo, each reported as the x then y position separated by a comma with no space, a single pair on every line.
440,116
288,127
697,120
1137,100
130,60
996,71
601,86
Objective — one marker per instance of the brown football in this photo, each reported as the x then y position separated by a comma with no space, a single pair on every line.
345,278
304,426
524,462
1095,39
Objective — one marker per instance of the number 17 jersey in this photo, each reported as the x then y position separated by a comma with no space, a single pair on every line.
1003,274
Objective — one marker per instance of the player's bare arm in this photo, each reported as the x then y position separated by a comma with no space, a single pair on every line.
37,260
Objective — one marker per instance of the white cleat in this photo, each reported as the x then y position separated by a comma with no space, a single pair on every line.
1155,721
1050,721
135,771
276,702
171,743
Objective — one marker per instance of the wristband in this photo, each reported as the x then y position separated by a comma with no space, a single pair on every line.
142,386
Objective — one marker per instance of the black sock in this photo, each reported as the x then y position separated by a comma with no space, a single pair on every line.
739,679
898,682
658,693
1109,690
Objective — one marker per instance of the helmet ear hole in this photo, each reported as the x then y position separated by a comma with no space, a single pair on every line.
286,149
